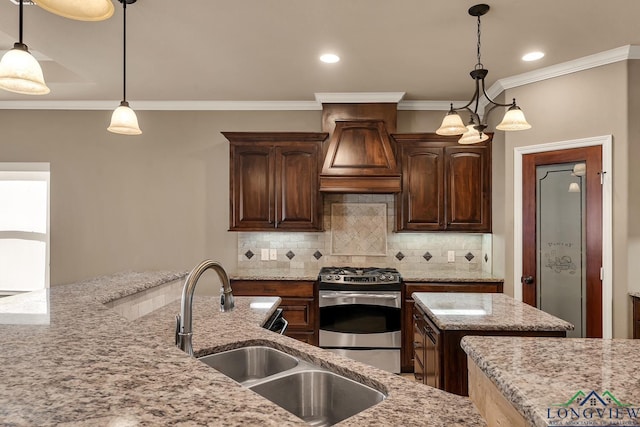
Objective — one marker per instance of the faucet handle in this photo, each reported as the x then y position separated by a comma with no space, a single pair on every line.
178,339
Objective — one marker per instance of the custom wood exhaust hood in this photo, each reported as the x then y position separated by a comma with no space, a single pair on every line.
360,157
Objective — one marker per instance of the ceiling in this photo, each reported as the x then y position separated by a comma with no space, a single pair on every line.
267,50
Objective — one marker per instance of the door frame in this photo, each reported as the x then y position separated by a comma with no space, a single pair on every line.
607,218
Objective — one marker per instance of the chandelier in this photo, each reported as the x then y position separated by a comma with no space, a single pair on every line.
474,132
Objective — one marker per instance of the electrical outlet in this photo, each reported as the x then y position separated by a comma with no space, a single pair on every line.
264,255
273,254
451,256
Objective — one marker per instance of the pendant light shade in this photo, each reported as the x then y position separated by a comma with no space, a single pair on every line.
19,70
472,136
574,187
81,10
513,119
451,124
124,121
21,73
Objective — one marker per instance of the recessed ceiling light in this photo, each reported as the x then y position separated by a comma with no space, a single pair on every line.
329,58
532,56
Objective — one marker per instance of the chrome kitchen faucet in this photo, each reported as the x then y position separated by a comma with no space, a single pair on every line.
184,321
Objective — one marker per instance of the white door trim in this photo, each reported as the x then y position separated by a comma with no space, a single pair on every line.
607,218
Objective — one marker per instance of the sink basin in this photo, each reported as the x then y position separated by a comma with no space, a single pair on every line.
247,364
320,398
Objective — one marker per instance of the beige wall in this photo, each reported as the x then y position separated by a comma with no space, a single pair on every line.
155,201
160,200
585,104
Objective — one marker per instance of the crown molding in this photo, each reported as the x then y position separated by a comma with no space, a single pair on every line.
358,97
622,53
164,105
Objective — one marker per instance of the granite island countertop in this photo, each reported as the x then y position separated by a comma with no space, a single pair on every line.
89,366
485,311
545,379
634,294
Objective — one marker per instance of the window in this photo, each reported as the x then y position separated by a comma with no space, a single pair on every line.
24,227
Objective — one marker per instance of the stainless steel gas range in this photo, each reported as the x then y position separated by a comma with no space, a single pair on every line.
360,314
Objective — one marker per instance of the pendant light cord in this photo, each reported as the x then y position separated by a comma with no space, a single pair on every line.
21,17
124,50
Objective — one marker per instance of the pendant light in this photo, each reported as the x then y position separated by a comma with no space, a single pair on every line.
81,10
453,125
123,119
19,70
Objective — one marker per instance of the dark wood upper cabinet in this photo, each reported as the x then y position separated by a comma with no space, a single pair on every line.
274,181
445,186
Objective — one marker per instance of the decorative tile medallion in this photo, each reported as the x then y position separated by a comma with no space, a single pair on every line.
486,258
469,256
427,256
359,229
399,256
290,255
249,254
317,255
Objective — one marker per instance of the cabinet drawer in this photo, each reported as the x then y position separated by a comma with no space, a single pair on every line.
299,313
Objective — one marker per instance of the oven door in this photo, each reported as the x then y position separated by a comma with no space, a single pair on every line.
360,319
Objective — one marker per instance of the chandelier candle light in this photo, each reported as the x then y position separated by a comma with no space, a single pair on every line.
20,71
123,119
473,133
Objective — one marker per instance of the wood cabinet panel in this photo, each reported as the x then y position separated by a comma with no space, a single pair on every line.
274,181
445,363
446,186
468,190
406,351
252,192
423,189
299,303
298,202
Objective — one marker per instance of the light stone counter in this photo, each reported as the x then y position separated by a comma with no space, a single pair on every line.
90,366
407,275
485,311
635,294
444,276
550,381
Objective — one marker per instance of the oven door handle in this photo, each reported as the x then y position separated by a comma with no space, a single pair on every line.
356,295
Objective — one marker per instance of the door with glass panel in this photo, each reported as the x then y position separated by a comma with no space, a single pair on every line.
562,236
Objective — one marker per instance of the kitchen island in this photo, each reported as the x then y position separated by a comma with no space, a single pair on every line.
90,361
520,381
441,320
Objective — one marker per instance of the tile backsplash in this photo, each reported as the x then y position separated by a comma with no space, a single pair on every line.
307,252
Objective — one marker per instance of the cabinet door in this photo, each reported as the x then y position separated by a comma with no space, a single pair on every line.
298,202
252,188
468,188
419,342
422,206
432,372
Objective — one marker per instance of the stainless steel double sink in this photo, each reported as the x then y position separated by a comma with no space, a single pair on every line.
316,395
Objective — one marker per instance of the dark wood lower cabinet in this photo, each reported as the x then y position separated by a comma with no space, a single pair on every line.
299,303
406,352
442,360
426,350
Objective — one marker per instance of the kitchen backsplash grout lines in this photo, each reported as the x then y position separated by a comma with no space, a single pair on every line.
309,251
